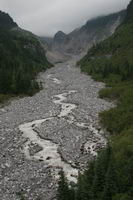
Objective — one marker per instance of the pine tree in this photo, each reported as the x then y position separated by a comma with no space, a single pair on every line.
101,166
88,177
79,190
111,185
63,189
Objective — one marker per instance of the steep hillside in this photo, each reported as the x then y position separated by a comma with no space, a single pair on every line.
129,16
6,21
47,41
92,32
22,57
59,40
110,176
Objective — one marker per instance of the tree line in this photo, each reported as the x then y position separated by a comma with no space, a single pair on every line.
110,175
21,59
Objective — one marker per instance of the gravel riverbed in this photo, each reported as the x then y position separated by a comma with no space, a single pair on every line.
56,128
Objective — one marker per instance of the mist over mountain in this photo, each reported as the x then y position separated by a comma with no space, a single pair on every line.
66,129
108,177
92,32
45,18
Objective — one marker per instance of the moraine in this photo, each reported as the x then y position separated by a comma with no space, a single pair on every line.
56,128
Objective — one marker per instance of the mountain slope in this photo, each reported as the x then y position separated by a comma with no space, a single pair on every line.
110,175
6,21
129,16
22,57
111,61
92,32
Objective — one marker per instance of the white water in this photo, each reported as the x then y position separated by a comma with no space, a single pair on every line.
91,146
66,108
49,152
68,135
55,80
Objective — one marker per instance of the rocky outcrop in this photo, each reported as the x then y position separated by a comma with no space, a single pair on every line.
59,40
93,31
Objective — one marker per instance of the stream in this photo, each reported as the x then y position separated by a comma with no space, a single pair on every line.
55,129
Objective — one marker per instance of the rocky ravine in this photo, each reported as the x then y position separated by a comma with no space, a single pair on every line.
57,128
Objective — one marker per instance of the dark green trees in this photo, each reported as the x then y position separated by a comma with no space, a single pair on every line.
22,57
110,186
64,192
84,190
110,177
102,180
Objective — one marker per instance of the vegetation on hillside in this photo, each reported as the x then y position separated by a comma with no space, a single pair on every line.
21,58
6,21
102,22
110,175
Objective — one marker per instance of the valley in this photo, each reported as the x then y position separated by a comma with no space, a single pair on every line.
66,110
56,128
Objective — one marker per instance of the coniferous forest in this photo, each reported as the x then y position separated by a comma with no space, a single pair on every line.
110,175
22,57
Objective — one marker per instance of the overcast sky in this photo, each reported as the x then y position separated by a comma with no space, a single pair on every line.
46,17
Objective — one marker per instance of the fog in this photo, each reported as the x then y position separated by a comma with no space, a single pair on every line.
46,17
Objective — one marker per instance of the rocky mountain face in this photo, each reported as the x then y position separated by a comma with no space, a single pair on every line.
47,42
59,37
92,32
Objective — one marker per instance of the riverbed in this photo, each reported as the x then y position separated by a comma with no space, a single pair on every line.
55,129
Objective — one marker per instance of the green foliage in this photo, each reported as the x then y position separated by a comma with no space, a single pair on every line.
21,58
111,61
64,192
98,182
111,185
98,24
122,197
86,183
101,166
121,117
21,195
4,98
104,179
129,16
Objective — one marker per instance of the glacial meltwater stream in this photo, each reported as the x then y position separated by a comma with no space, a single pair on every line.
49,152
55,129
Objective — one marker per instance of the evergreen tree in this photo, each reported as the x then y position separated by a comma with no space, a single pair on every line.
88,177
63,192
101,166
79,190
111,182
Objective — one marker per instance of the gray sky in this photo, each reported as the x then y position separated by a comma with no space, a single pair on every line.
46,17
